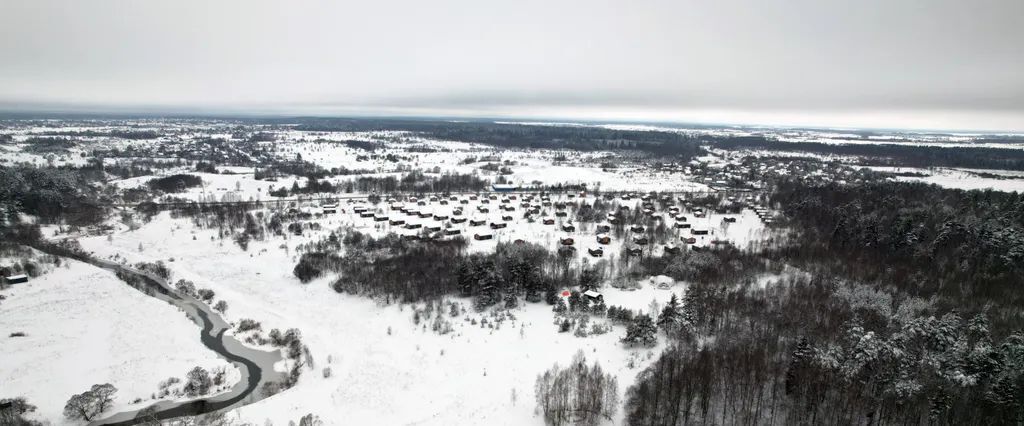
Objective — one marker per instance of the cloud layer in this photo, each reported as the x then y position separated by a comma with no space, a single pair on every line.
957,62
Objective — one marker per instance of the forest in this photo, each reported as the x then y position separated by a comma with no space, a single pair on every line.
908,312
521,135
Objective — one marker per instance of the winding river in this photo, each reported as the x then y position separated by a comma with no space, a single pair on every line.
256,366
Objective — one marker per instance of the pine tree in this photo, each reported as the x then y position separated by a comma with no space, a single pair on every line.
642,330
670,319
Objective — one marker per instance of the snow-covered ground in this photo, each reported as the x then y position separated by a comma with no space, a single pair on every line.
474,375
84,326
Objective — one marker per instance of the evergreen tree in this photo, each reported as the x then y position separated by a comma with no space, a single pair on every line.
641,331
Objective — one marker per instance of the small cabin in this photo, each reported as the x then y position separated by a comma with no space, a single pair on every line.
379,218
699,213
604,239
397,221
16,279
596,251
413,225
689,240
506,217
483,209
440,217
452,231
637,228
634,251
457,212
458,220
698,231
483,236
567,241
604,227
568,227
434,227
640,241
548,221
480,222
330,208
366,214
498,225
411,237
425,214
561,213
729,219
682,225
671,249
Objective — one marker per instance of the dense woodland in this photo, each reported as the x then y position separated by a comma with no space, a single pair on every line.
523,136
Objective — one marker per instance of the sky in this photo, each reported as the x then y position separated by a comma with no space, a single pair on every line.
924,64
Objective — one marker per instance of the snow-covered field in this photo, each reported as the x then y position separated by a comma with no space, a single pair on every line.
474,375
961,178
84,326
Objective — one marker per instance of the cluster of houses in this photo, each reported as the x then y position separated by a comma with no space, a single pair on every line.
478,216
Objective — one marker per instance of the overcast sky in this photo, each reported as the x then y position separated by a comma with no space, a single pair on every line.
947,64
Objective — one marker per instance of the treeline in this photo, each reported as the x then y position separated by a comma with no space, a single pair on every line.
890,154
397,269
116,133
966,247
521,135
416,181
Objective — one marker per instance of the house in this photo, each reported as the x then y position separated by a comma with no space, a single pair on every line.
433,227
483,209
566,241
698,231
498,225
568,227
549,221
413,225
379,218
604,239
682,225
330,208
397,221
438,216
483,236
596,251
458,220
16,279
473,222
425,214
452,231
366,214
